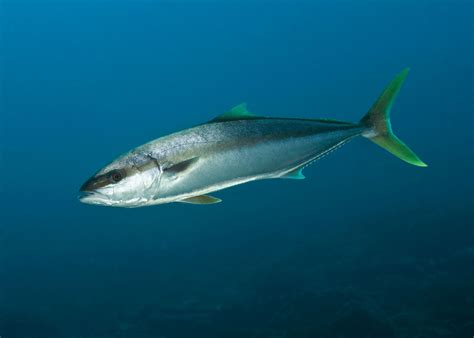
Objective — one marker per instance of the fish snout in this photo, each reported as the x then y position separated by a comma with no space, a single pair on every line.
87,186
90,191
94,183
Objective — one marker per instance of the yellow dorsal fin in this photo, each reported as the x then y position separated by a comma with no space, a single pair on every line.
239,112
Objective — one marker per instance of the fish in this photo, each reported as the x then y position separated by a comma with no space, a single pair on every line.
235,148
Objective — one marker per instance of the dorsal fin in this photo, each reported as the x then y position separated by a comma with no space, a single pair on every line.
239,112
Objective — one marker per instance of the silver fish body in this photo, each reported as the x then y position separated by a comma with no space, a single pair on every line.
234,148
236,152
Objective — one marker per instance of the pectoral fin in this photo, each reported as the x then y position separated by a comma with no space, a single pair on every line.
203,199
181,166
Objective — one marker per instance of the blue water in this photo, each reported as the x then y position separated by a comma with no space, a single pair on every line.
366,246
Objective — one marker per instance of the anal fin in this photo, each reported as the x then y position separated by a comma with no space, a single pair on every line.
296,174
203,199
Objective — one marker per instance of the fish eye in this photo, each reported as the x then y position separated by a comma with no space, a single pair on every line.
116,176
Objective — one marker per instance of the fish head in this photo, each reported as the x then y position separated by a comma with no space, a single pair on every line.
132,180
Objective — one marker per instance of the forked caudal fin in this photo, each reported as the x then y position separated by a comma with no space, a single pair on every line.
379,129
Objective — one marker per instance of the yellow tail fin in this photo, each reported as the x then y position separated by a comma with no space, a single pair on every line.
379,129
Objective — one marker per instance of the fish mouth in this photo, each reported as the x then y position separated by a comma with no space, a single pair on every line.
89,192
92,197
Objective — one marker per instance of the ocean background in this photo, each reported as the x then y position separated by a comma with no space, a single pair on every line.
367,246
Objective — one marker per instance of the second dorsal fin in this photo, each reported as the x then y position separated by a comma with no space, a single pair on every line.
239,112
